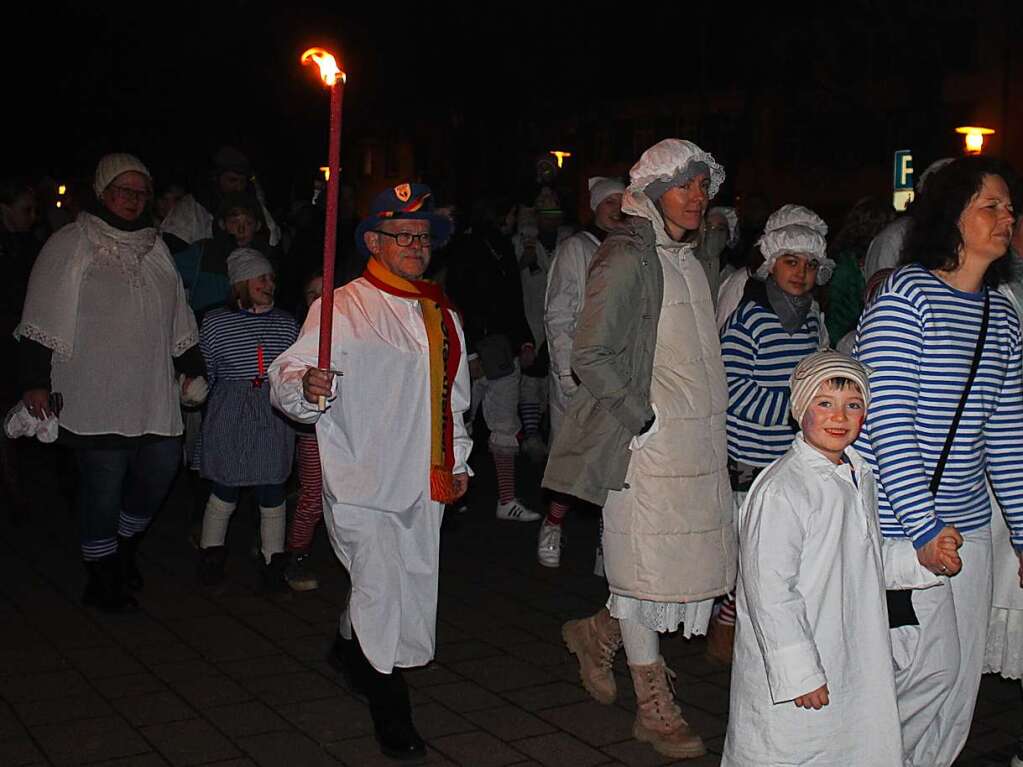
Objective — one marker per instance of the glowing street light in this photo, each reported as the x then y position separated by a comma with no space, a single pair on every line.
560,156
974,137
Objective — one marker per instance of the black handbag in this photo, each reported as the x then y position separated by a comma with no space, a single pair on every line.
900,602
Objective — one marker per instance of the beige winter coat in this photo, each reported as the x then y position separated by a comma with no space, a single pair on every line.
669,535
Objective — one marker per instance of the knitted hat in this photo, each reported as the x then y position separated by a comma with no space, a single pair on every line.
819,367
113,165
245,264
601,188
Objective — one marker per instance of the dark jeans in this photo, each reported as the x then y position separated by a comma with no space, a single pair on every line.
268,496
120,489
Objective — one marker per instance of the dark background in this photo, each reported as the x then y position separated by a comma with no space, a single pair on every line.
806,102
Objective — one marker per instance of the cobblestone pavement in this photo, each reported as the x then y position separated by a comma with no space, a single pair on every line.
237,678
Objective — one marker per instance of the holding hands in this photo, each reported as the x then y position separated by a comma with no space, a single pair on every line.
941,554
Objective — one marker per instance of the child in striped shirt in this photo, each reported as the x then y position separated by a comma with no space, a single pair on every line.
776,325
245,443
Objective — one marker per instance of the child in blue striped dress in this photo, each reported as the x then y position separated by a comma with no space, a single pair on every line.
776,325
245,442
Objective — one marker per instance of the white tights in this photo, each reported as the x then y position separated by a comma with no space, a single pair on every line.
642,644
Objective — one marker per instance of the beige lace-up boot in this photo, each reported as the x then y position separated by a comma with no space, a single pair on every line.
659,720
594,641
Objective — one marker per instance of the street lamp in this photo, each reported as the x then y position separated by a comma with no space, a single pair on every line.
560,156
974,137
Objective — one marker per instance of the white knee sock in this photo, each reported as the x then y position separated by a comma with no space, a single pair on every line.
215,522
271,530
642,645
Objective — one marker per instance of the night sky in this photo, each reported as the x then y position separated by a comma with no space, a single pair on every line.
173,81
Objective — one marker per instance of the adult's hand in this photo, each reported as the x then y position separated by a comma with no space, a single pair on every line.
37,402
461,484
1020,555
316,383
936,558
475,369
816,700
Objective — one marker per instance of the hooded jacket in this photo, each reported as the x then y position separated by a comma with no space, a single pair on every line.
672,538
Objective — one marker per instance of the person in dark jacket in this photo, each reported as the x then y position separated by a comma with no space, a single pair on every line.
483,281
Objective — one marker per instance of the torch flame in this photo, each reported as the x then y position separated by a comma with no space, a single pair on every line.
330,73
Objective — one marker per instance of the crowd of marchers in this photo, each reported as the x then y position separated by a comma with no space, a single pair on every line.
803,445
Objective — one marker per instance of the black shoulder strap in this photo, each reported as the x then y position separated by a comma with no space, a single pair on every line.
940,468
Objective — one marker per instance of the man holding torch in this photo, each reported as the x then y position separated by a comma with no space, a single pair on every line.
393,447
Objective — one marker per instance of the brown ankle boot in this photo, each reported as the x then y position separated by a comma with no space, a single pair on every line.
720,641
594,641
659,720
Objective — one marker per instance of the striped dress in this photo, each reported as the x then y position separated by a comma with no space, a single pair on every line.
245,442
919,337
759,357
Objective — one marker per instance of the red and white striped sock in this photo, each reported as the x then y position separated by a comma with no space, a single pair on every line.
557,511
505,465
726,614
309,510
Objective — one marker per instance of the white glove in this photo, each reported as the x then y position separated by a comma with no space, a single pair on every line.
20,423
195,393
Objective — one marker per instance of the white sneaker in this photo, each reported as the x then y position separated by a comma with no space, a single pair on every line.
516,511
548,547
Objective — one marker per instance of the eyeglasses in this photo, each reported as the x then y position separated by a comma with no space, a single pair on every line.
128,193
404,239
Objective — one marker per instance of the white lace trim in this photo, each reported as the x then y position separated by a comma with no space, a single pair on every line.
1004,653
182,345
33,333
694,617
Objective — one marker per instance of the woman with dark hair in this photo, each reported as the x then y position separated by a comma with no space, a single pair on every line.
947,385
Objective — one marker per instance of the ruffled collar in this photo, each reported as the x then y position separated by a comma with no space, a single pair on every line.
110,239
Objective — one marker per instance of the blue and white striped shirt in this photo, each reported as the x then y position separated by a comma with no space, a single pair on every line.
919,337
759,357
229,339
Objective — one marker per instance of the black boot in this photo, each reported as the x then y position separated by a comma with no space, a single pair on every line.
392,716
390,708
127,548
273,574
347,660
211,565
106,588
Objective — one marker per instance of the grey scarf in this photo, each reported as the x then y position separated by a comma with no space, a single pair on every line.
791,310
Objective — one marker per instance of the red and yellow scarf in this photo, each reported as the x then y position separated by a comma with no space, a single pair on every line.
445,355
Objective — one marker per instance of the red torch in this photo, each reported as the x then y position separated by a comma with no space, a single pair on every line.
334,79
